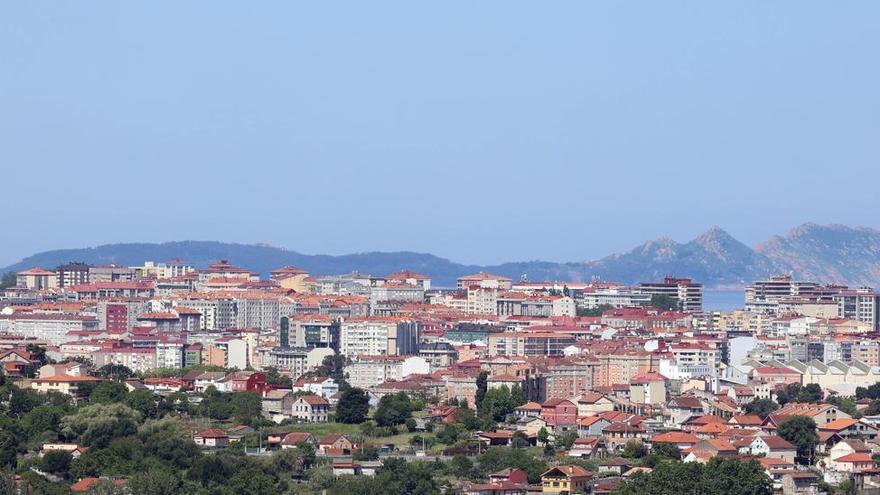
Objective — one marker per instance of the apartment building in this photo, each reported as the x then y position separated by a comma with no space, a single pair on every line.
379,336
48,327
71,274
688,293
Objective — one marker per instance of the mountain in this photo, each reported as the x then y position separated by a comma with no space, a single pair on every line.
828,254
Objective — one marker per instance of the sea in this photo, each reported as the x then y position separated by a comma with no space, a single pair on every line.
723,300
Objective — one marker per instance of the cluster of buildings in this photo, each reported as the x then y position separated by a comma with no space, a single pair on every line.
593,358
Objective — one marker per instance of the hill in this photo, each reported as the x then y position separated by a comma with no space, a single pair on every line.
829,254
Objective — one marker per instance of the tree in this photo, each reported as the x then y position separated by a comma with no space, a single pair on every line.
800,431
635,449
96,425
565,440
482,385
393,409
664,302
497,403
142,401
543,436
664,450
810,393
57,462
155,482
519,440
276,379
8,280
353,406
246,406
718,477
38,353
498,458
366,453
116,372
761,407
108,391
846,404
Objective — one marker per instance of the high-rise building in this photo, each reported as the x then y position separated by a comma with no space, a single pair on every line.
688,293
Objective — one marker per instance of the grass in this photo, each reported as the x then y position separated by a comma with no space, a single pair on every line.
322,429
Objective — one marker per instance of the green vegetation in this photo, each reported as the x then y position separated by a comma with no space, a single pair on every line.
664,302
761,407
717,477
800,431
795,392
353,406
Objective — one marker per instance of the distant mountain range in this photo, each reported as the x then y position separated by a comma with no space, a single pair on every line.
824,253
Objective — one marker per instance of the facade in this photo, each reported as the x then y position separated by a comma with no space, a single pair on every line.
688,293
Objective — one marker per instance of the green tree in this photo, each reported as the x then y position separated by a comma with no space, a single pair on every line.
761,407
246,406
482,385
664,302
116,372
142,401
393,409
665,450
544,436
635,449
498,458
56,462
8,280
155,482
96,425
565,440
38,353
277,379
718,477
353,406
800,431
108,391
366,453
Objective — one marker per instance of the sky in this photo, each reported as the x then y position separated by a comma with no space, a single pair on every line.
478,131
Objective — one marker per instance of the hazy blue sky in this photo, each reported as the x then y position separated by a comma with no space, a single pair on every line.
479,131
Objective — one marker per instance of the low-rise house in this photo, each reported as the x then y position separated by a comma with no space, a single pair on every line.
528,410
513,475
565,479
560,414
86,485
442,414
63,384
71,448
615,465
497,488
851,463
618,434
497,437
680,439
773,446
205,379
278,404
167,385
311,409
322,386
592,426
336,445
584,447
211,438
591,404
849,427
748,421
294,438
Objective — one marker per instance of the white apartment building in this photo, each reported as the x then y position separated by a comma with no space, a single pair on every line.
51,328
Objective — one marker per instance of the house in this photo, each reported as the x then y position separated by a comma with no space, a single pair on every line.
592,426
741,394
584,447
442,414
849,427
322,386
63,384
615,465
592,404
311,409
773,446
247,381
71,368
749,421
513,475
71,448
336,445
528,410
530,425
163,384
294,438
497,437
684,407
680,439
15,362
799,482
88,484
236,433
715,447
560,414
278,404
211,438
618,434
565,479
207,379
852,463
